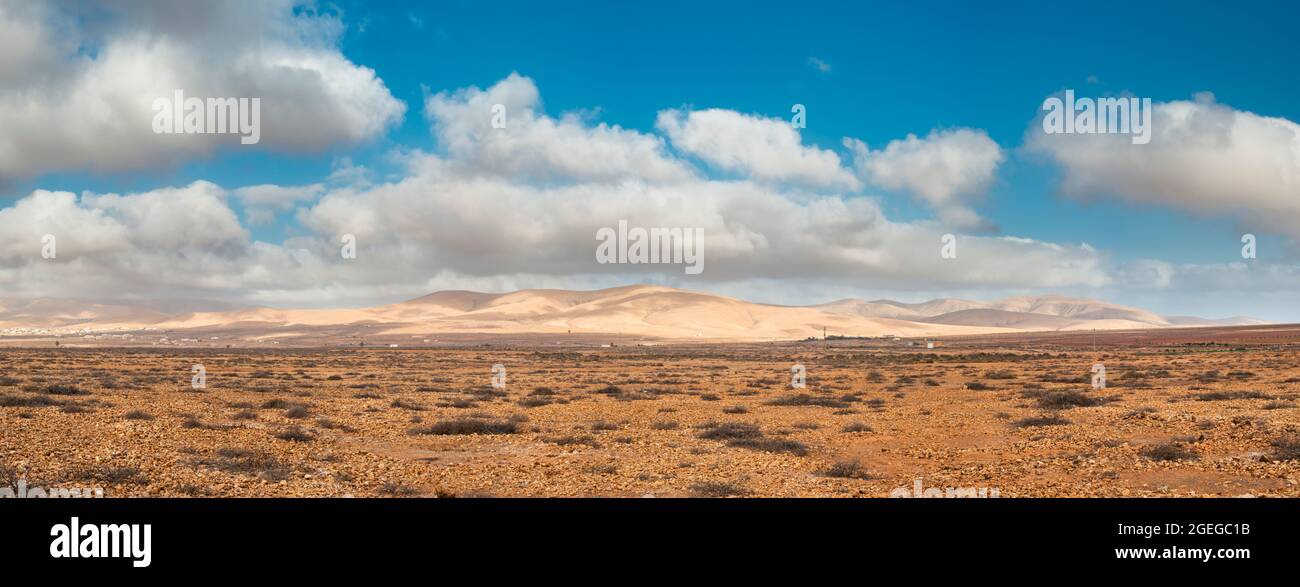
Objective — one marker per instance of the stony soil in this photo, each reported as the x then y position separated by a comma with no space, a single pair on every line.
1022,419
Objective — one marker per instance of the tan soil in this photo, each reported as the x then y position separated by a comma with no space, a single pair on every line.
946,434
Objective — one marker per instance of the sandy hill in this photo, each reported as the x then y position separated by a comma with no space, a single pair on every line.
892,309
1047,305
639,310
1031,321
650,311
1233,321
1083,309
59,313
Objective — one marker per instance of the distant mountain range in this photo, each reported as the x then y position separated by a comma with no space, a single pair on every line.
1047,312
639,310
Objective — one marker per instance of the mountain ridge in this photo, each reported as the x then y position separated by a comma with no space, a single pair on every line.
649,311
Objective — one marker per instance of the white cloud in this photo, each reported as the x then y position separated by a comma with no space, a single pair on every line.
171,242
77,94
1147,274
534,146
478,214
1204,157
513,201
276,196
78,229
472,225
1239,277
29,42
819,65
948,170
261,202
766,149
454,221
194,218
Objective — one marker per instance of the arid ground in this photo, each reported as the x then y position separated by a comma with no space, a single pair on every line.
1185,412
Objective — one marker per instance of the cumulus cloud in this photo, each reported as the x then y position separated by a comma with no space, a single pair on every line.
276,196
192,219
1239,277
1146,274
27,51
165,242
461,218
496,210
766,149
77,94
438,217
1204,157
948,170
262,202
528,145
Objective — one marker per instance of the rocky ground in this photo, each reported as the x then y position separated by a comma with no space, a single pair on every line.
1017,419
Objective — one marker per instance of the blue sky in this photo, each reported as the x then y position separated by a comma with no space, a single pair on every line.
896,68
891,69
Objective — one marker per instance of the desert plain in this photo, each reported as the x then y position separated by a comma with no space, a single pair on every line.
1211,411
